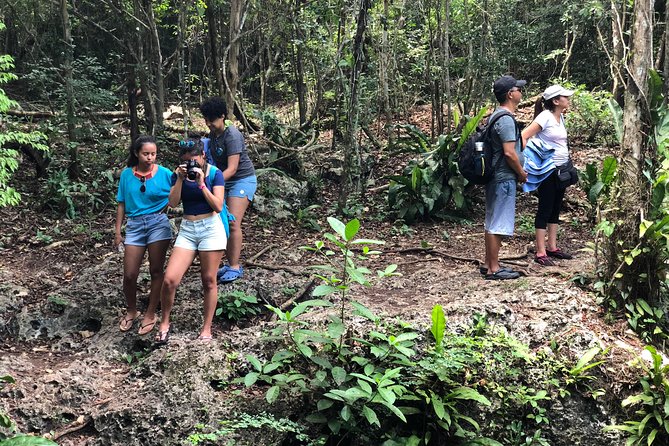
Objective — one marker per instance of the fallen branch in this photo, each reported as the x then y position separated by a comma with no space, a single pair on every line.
432,259
261,252
298,296
276,268
75,426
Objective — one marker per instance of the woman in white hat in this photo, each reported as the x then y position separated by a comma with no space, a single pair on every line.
549,132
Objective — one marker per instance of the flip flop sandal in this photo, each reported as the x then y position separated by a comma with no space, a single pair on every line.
204,338
483,270
559,254
502,275
162,337
125,324
231,275
544,261
147,328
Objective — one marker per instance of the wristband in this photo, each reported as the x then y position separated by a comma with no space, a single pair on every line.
201,186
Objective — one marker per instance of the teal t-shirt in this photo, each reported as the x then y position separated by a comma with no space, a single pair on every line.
152,200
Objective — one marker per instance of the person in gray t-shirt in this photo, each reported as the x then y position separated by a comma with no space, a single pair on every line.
500,206
227,151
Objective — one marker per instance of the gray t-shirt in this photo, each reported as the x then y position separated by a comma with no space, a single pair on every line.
231,142
504,131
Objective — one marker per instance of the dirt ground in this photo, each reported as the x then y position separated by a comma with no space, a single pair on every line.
70,360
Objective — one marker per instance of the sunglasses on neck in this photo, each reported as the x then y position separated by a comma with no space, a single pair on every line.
142,188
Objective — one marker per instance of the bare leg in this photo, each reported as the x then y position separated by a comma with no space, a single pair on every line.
209,261
493,244
237,207
541,241
179,262
157,253
552,236
132,260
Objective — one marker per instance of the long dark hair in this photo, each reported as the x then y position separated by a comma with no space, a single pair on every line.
136,146
544,104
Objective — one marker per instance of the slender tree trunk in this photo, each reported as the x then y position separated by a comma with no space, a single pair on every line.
181,55
132,103
211,13
446,56
383,68
74,168
157,64
352,156
618,16
236,9
665,42
300,87
339,88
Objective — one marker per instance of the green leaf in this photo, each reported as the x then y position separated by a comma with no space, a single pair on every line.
438,325
467,393
254,362
585,359
324,404
27,440
338,227
438,406
303,306
317,418
617,115
251,378
339,375
324,290
345,413
272,394
363,311
370,416
351,229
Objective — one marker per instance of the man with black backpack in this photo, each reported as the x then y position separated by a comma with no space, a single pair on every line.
500,203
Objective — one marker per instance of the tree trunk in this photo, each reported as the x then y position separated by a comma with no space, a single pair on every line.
236,9
632,196
665,42
74,168
353,157
383,69
214,44
157,64
618,15
300,87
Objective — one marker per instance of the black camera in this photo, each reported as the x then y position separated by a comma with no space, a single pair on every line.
191,165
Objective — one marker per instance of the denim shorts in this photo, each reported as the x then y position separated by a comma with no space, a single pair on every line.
207,234
241,188
146,229
500,207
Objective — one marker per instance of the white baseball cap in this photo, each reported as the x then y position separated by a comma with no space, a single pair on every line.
556,90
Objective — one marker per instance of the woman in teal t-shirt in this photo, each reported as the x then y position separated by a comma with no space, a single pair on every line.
142,196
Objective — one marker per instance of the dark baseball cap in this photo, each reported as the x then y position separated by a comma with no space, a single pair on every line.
506,83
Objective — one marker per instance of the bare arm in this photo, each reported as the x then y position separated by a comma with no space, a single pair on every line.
513,161
175,191
215,198
120,215
530,131
233,164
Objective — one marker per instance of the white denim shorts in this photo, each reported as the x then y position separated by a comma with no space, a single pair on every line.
207,234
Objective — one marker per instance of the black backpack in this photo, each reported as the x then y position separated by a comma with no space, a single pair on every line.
475,166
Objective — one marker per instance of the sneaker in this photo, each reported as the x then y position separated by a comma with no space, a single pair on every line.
544,261
559,254
502,274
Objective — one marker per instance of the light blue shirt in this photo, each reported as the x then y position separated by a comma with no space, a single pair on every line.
152,200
